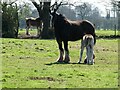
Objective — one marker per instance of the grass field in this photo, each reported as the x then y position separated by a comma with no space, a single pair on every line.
106,32
31,64
99,33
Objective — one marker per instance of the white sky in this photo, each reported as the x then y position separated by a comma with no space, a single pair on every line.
101,4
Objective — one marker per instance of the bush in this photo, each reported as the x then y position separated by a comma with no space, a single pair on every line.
9,20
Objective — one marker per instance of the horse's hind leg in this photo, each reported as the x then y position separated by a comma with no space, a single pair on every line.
85,61
81,52
38,32
67,58
60,59
90,55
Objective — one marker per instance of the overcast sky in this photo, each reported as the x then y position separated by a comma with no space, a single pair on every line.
101,4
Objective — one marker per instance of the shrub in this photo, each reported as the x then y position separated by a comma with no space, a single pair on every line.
9,20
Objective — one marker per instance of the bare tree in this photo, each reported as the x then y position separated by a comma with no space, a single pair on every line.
117,3
83,10
43,10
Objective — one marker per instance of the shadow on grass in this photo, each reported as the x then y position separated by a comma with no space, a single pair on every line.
53,63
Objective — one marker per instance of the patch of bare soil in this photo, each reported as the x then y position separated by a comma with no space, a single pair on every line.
45,78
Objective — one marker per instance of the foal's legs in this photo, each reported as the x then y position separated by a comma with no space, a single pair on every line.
38,31
27,30
60,59
81,53
67,58
85,61
89,55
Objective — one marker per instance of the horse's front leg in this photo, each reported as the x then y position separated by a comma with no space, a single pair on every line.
67,58
60,59
27,30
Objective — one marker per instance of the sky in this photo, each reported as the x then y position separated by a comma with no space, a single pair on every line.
101,4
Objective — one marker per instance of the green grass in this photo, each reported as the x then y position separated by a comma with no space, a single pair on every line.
31,64
23,32
98,32
106,32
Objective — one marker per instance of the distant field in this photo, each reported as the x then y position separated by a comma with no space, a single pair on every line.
31,64
106,32
99,33
22,32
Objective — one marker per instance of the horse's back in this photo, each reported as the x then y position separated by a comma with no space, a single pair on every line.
77,29
88,27
68,30
33,22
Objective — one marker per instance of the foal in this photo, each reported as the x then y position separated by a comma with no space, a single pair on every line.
34,22
88,42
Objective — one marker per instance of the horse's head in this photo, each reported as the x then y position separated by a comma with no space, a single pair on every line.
53,11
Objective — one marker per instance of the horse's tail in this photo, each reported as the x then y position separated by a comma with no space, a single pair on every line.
89,29
94,35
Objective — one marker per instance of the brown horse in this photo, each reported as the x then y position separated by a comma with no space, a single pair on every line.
36,22
67,30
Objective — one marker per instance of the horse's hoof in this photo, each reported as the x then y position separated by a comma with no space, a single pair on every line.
59,61
28,34
66,61
93,63
85,61
90,63
79,62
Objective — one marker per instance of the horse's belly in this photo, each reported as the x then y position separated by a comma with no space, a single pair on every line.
73,36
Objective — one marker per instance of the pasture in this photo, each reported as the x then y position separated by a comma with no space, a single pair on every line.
32,64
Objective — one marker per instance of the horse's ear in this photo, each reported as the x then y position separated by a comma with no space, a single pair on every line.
62,16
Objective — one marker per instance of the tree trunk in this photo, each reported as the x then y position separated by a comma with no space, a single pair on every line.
46,21
0,20
119,20
119,15
43,10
